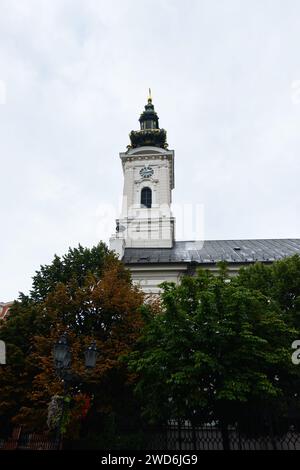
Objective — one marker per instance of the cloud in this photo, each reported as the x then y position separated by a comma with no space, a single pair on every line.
76,75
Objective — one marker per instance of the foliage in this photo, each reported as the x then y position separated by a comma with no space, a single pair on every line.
77,263
106,311
211,348
88,294
218,346
109,435
66,412
55,411
279,281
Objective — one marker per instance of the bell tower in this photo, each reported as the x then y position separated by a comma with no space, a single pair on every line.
146,220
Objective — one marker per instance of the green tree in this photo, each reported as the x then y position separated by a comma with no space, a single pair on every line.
76,264
216,348
280,282
106,311
88,293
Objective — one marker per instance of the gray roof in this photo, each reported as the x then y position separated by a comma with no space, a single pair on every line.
212,251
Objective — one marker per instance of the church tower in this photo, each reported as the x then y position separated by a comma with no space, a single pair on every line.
148,167
144,237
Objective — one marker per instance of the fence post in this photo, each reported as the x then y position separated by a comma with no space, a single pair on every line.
273,440
194,437
179,435
225,435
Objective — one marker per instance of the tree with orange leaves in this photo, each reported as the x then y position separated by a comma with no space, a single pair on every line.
87,304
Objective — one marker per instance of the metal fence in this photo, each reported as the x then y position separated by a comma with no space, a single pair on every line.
212,436
252,434
28,441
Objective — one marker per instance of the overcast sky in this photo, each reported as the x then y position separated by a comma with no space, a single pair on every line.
74,75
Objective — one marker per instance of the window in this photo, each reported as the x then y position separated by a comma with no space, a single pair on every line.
150,125
146,197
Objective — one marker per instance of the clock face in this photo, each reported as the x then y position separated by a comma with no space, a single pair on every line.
146,172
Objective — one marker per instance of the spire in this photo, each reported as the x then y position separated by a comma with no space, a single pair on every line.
149,118
149,134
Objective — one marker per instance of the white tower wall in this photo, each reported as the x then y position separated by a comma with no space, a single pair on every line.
139,226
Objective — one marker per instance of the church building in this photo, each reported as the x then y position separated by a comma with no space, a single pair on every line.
145,231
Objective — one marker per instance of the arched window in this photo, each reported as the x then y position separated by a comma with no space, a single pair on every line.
146,197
